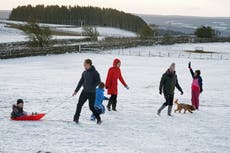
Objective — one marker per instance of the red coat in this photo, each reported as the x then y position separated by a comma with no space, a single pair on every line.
114,74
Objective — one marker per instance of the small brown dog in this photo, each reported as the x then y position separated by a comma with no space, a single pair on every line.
181,106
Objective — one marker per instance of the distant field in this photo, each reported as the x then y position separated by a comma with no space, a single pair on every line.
188,24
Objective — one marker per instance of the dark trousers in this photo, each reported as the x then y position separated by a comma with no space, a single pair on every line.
113,101
169,99
90,96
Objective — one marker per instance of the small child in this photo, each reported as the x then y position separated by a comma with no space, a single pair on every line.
18,109
99,107
196,86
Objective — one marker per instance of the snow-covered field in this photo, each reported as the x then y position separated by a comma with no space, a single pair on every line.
47,82
8,34
220,50
103,31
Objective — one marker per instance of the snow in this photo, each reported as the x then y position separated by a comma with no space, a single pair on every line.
220,50
103,31
11,35
8,35
68,37
47,82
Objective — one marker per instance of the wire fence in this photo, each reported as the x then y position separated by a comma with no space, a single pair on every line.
172,54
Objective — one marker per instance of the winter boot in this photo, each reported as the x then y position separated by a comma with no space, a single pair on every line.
169,110
160,109
99,121
76,119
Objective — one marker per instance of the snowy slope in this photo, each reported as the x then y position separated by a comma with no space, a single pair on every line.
103,31
10,35
47,82
220,50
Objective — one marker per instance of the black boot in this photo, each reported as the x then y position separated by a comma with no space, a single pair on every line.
169,110
99,121
160,109
76,119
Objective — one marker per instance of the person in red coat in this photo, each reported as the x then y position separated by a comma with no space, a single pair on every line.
114,74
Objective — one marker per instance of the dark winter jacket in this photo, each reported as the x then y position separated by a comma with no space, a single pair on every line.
169,82
113,75
90,79
17,112
199,79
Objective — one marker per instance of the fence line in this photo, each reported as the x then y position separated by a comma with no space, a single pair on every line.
179,54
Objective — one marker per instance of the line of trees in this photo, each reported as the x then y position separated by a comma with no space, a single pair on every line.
80,16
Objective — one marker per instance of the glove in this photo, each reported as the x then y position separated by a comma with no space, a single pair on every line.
160,92
127,87
182,93
189,65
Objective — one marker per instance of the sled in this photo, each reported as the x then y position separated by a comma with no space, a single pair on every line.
36,117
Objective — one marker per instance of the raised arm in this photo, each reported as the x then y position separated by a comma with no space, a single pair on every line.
190,69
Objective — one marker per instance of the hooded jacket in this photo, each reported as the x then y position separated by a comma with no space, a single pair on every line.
169,82
113,75
90,79
98,105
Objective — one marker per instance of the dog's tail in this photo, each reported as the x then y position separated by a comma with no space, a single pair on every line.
176,101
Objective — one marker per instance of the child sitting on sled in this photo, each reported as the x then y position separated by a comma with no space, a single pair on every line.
18,109
99,107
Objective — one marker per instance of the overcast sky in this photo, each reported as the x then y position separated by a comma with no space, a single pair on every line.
211,8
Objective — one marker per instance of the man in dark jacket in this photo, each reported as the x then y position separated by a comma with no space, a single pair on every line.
167,85
90,79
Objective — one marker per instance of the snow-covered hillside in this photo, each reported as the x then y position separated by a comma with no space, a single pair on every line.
8,34
104,31
46,83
